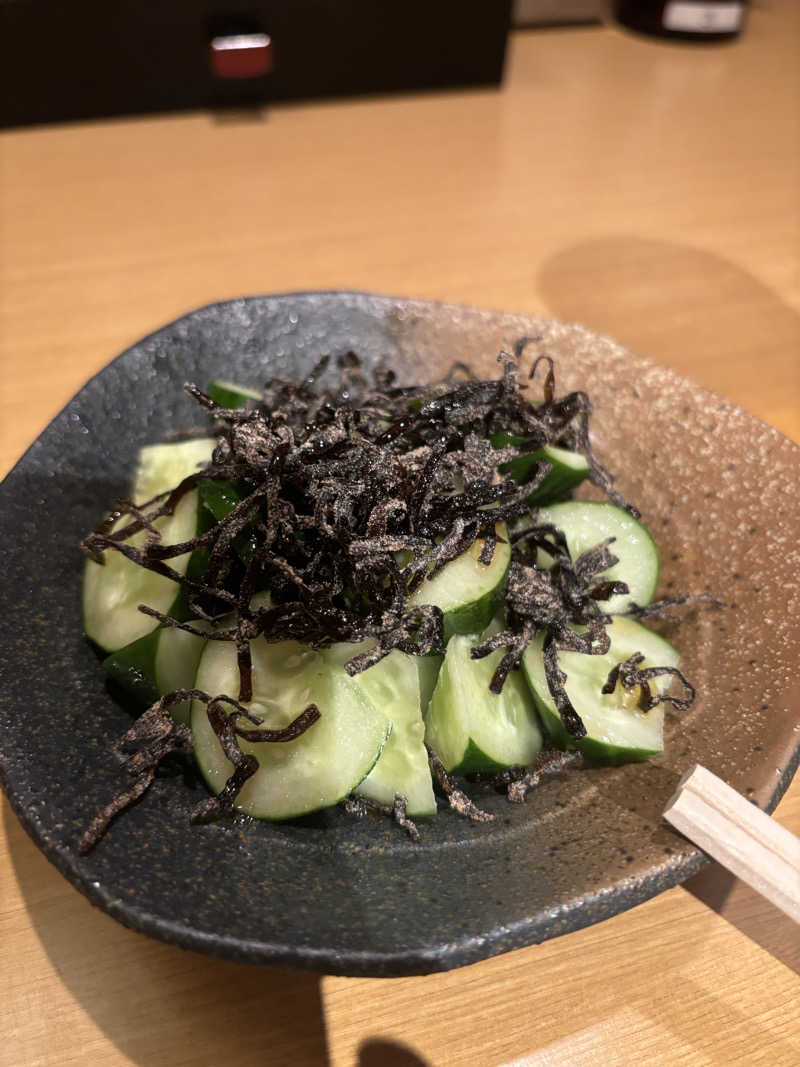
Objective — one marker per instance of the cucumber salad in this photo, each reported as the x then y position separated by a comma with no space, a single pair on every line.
352,591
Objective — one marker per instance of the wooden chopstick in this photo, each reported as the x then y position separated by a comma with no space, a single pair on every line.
740,836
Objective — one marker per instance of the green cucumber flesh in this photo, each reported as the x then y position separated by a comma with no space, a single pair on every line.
113,591
473,729
219,497
567,469
231,395
428,668
468,591
162,661
177,659
317,769
617,731
587,523
402,768
166,659
133,669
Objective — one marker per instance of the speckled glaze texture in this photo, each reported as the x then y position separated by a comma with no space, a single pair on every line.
719,490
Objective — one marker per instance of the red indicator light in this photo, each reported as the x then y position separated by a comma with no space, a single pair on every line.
243,55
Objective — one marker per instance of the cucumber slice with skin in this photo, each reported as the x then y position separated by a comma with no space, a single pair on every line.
428,668
165,660
567,469
158,663
317,769
133,669
231,395
469,727
219,498
587,523
402,768
176,662
468,591
617,731
113,591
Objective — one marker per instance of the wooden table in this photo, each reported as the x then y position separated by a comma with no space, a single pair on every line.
647,189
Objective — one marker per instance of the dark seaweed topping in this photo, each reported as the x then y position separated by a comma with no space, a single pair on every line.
630,675
163,737
351,496
359,806
548,763
554,601
338,497
659,608
456,798
225,726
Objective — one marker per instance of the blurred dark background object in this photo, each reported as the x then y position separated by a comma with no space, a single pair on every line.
686,20
91,59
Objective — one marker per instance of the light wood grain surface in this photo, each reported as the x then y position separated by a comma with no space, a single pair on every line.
647,189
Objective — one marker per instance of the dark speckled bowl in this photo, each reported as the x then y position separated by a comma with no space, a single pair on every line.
719,491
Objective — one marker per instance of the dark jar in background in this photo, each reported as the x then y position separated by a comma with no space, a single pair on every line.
688,20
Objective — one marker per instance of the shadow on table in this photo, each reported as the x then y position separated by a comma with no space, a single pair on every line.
381,1052
158,1003
749,912
684,307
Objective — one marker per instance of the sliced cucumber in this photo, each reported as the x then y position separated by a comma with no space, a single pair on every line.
158,663
133,668
112,592
219,497
469,727
393,684
231,395
428,668
616,730
320,767
468,591
587,523
162,467
177,659
567,469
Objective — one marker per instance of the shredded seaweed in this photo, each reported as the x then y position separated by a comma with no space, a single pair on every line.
630,675
360,806
163,737
555,602
340,495
456,798
353,494
549,762
658,609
